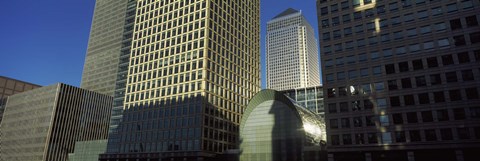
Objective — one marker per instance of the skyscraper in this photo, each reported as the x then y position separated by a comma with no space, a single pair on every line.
43,124
8,87
193,67
401,79
292,52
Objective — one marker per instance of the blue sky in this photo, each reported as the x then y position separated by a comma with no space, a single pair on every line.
45,41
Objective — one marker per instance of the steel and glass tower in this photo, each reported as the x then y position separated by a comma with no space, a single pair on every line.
193,67
292,52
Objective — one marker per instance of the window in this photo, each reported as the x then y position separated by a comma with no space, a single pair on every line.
392,85
412,117
347,31
326,36
325,23
334,8
345,122
475,37
446,134
436,11
447,60
398,35
359,139
332,108
415,136
471,21
335,21
360,42
463,133
408,17
335,139
327,49
347,139
420,81
362,57
357,122
349,45
387,52
467,4
381,9
385,37
355,3
343,107
329,78
367,104
359,29
425,29
400,136
455,95
372,40
452,7
403,66
370,120
417,64
350,59
338,47
381,103
467,75
379,86
428,45
344,5
432,62
472,93
357,15
390,68
422,14
324,11
367,1
451,77
458,113
339,61
352,74
411,32
393,6
372,138
455,24
374,55
395,20
386,138
463,57
346,18
438,97
331,92
442,115
400,50
475,112
406,83
340,75
333,124
397,118
409,100
337,34
369,13
440,26
377,70
435,79
427,116
364,72
477,55
395,101
423,98
459,40
443,42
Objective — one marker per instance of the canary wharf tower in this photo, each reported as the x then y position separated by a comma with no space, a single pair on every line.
193,66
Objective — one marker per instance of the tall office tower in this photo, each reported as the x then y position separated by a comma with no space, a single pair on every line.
310,97
8,87
292,52
43,124
401,79
193,67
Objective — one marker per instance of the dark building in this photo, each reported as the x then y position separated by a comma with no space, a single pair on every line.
401,79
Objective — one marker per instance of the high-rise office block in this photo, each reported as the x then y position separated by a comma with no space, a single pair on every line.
292,52
310,97
193,67
43,124
8,87
401,79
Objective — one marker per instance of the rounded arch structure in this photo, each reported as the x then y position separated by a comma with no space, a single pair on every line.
274,127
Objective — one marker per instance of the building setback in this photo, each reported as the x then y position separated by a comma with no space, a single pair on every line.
292,52
43,124
401,79
8,87
193,67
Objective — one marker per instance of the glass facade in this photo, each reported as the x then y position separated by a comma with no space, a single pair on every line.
310,97
274,127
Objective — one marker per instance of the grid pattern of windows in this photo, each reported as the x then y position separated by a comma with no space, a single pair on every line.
411,67
193,67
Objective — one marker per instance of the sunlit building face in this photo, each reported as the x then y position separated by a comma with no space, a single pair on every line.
402,76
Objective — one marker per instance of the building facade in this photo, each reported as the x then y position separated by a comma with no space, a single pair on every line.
43,124
309,97
193,67
292,52
401,79
274,127
88,150
8,87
